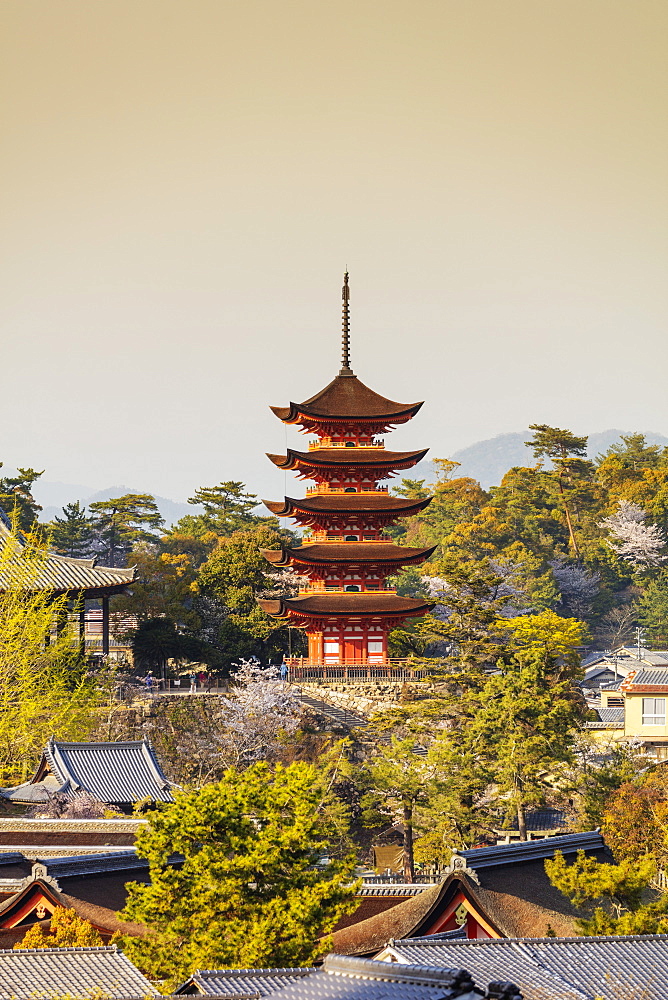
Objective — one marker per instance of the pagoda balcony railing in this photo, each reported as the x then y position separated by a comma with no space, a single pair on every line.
315,444
315,588
352,671
326,488
340,539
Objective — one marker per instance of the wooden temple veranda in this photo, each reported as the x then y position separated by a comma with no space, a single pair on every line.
79,580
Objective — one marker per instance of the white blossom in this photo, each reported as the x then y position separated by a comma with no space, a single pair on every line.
632,539
577,586
261,710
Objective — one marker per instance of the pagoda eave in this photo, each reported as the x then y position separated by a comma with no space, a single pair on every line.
346,504
342,459
346,606
347,554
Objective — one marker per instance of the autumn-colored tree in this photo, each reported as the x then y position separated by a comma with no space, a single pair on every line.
253,890
66,930
635,821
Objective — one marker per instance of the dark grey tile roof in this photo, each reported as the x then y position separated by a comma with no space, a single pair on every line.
60,573
233,982
608,717
649,676
93,864
76,972
362,979
580,968
117,773
531,850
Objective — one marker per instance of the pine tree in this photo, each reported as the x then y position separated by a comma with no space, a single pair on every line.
16,498
227,507
72,535
123,521
253,889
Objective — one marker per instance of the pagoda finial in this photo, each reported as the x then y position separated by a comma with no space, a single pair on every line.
345,295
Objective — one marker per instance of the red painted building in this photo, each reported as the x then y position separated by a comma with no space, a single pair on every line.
347,608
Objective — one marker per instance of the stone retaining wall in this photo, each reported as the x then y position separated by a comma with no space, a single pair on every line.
365,698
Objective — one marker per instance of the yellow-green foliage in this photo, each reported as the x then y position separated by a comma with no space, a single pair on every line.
617,897
251,891
547,634
68,930
42,688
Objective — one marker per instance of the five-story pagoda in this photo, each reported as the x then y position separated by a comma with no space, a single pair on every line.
347,607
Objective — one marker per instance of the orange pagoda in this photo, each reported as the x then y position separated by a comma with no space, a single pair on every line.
347,608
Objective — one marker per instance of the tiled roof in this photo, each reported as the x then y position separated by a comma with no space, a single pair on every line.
116,773
62,574
344,458
581,968
346,396
343,503
334,604
93,864
76,972
344,978
226,982
608,718
531,850
646,677
327,553
507,884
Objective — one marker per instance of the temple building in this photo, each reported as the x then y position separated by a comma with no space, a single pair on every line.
347,607
79,580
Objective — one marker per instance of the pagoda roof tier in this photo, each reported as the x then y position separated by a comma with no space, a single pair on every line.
347,503
347,553
347,399
342,605
357,459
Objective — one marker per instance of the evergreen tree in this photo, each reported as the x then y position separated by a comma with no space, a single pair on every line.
227,507
73,535
399,779
122,522
567,453
615,895
16,498
253,890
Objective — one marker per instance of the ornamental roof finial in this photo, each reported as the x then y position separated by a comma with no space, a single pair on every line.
345,295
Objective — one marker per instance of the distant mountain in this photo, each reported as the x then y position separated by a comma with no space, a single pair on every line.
52,497
488,461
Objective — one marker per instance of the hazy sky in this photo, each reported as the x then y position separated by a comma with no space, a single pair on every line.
184,182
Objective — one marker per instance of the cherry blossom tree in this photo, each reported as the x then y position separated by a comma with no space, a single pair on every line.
260,712
632,539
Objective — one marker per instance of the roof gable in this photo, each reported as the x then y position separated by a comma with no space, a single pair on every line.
119,773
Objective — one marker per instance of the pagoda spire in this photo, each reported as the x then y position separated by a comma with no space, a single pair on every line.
345,295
